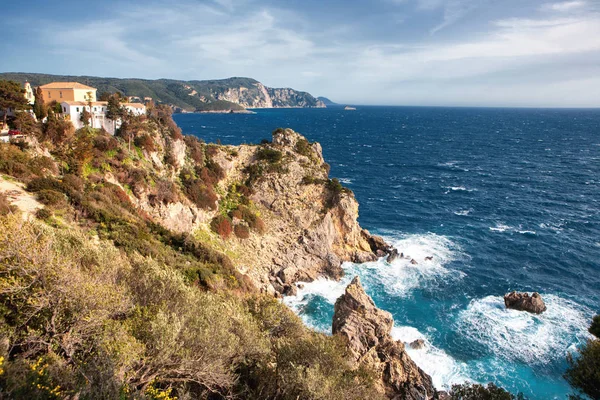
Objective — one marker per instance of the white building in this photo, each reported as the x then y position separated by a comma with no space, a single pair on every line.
72,110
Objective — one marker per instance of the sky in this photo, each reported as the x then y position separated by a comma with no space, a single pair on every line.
524,53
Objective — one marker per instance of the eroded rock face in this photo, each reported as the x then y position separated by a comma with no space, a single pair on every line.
523,302
367,330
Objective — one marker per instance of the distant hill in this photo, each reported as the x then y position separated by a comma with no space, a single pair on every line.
223,94
326,101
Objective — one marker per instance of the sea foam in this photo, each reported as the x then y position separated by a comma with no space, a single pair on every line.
521,336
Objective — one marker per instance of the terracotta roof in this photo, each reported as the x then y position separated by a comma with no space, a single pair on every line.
134,105
66,85
85,103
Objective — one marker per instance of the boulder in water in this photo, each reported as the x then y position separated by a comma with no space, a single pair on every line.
524,302
417,344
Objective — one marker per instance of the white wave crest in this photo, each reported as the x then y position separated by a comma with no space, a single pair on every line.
443,369
522,336
423,263
506,228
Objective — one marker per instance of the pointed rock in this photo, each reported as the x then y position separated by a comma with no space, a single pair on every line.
367,330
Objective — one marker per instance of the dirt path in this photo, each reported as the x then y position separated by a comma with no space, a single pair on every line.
17,196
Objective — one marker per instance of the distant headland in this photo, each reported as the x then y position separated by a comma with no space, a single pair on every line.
222,95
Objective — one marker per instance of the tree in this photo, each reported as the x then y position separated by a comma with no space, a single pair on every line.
583,373
85,116
39,109
12,96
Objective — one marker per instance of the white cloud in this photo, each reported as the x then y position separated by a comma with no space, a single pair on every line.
188,41
565,6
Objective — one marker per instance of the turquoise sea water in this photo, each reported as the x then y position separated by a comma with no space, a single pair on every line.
502,199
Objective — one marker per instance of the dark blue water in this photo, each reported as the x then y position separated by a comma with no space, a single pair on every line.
502,199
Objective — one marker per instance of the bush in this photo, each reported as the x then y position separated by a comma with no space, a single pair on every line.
39,184
201,195
469,391
595,327
5,206
270,155
43,213
165,192
221,225
105,143
51,197
241,231
195,148
146,143
584,369
303,147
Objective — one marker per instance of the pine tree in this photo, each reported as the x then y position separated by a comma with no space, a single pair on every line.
12,96
39,109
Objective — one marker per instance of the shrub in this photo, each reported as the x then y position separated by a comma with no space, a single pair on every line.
202,195
145,142
43,213
39,184
165,192
222,225
303,147
105,143
595,326
50,197
583,372
270,155
5,206
326,167
195,148
241,231
265,141
469,391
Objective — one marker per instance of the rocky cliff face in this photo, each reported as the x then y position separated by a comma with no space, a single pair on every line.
310,224
367,330
259,96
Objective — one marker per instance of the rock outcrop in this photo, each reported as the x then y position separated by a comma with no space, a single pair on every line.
367,330
523,302
310,227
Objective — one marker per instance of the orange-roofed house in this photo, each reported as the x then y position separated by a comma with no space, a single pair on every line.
68,91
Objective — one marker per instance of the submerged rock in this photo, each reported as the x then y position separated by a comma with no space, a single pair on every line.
417,344
367,330
393,255
523,302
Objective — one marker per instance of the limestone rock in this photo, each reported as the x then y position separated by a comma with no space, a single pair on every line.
523,302
367,330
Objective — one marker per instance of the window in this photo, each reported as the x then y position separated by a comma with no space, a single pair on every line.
64,109
49,95
77,109
60,94
94,108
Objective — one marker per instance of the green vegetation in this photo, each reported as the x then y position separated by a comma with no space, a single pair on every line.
12,96
84,319
469,391
270,155
584,368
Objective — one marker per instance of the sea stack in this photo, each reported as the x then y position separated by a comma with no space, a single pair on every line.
524,302
367,330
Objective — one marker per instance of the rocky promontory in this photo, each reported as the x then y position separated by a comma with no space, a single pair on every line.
367,330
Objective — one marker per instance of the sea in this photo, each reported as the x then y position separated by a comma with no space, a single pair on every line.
501,199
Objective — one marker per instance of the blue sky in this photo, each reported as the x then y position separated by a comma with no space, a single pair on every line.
404,52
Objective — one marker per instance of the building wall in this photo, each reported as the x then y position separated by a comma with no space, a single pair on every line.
61,95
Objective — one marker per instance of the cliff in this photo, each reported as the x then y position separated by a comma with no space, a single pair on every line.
197,95
367,331
136,265
310,221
